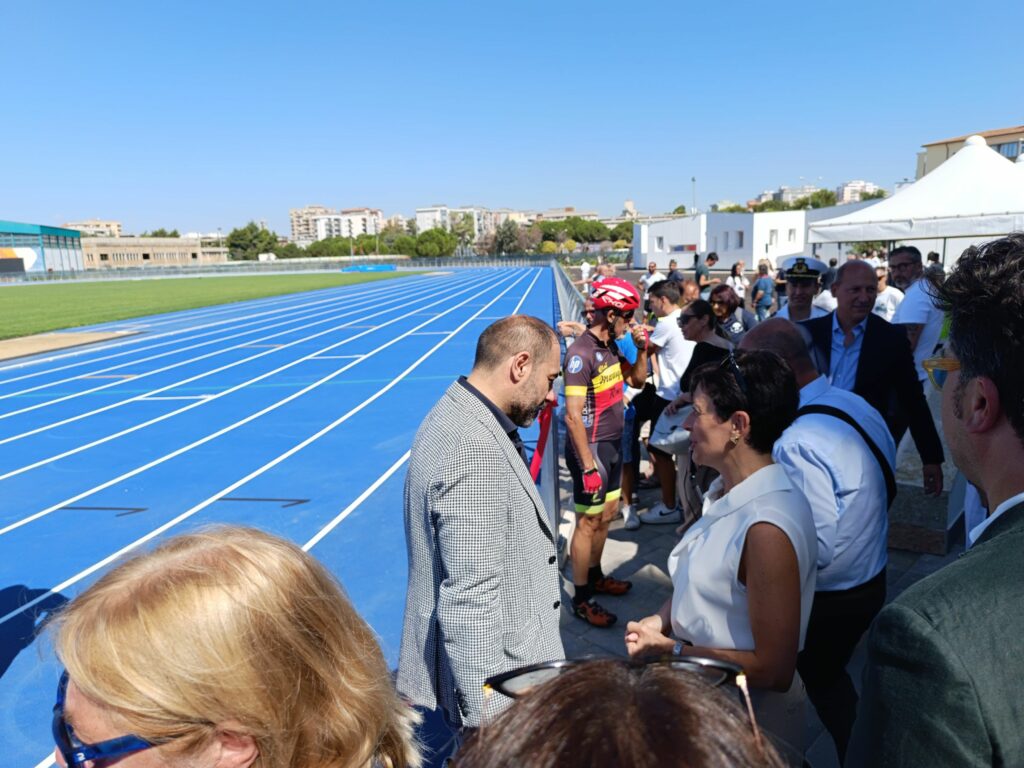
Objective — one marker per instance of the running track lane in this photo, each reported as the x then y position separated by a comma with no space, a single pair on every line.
350,476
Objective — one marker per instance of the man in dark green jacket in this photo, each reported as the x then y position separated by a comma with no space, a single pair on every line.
944,685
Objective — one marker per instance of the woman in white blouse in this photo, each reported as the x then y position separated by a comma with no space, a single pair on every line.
743,574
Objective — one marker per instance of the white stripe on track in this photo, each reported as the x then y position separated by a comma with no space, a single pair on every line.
206,398
528,289
356,503
231,427
300,318
359,292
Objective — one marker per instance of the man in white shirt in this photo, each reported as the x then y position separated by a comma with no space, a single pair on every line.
803,277
889,297
670,355
648,279
917,313
848,490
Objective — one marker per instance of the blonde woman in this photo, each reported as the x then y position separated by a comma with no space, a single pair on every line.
228,648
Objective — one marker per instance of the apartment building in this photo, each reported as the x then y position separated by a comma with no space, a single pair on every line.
349,222
1009,142
302,222
95,227
852,191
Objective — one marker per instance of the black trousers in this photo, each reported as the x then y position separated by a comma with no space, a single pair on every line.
838,620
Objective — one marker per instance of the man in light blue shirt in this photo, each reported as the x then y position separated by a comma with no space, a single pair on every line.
860,289
844,483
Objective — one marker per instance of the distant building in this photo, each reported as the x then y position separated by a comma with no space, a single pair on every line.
1009,142
851,191
38,248
397,221
432,217
561,214
485,221
786,194
302,224
95,227
121,252
349,222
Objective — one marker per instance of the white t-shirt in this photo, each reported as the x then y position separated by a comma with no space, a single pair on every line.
648,279
585,270
826,301
674,354
888,302
738,284
918,308
709,604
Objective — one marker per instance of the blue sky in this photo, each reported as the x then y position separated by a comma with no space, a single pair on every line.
202,115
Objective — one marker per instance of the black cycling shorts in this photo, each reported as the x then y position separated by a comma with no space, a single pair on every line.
608,455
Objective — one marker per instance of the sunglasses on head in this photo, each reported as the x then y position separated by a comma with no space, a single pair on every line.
729,363
714,672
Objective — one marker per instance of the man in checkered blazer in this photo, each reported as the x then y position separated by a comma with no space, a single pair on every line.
484,593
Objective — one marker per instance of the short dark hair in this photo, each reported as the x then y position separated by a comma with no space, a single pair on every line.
933,256
666,289
722,292
984,299
511,335
833,261
712,256
762,269
906,250
609,712
769,394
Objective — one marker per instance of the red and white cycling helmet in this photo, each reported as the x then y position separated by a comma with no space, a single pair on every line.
615,293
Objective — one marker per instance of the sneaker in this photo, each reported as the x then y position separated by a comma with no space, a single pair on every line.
629,516
610,586
594,614
660,514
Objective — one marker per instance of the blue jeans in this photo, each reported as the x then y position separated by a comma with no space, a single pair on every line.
762,312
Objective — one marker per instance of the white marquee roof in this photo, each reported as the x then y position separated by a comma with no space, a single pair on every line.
977,192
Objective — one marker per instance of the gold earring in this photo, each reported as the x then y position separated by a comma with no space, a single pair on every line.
734,438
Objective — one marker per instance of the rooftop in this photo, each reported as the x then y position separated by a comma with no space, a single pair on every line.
984,134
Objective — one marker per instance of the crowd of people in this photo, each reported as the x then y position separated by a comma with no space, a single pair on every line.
230,648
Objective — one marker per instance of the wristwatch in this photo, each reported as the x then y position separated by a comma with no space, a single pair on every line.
677,649
591,471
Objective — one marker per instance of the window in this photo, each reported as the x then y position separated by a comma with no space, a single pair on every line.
195,255
725,239
660,243
791,237
739,238
773,236
1010,149
145,257
104,257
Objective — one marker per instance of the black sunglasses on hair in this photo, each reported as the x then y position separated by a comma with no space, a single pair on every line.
730,362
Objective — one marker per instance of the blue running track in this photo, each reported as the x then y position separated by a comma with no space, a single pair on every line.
294,414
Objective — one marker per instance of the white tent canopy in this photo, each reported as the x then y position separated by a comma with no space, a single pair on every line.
976,193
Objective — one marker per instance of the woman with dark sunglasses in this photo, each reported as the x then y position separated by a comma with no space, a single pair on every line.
228,648
743,575
734,319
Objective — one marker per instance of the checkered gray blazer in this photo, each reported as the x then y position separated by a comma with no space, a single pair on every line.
483,593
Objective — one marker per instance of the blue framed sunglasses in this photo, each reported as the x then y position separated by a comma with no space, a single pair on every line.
76,753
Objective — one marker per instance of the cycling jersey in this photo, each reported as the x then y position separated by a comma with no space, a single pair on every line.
593,370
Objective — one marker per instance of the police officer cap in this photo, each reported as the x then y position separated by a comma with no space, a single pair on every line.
803,266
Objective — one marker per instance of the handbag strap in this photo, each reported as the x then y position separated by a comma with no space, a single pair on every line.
828,410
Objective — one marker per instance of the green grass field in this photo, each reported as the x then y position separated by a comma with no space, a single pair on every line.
28,309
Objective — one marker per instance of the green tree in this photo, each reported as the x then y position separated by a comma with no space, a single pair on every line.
622,231
412,227
249,241
290,251
529,239
569,245
867,246
506,239
878,194
405,245
734,209
553,231
549,246
619,245
771,205
435,242
823,198
161,233
679,210
462,228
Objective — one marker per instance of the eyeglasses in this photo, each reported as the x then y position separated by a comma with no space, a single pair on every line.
76,753
938,368
716,303
734,368
714,672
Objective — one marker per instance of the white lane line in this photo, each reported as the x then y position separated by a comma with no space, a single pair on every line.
128,430
338,296
47,761
530,288
176,397
319,356
252,475
231,427
333,314
300,321
355,504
